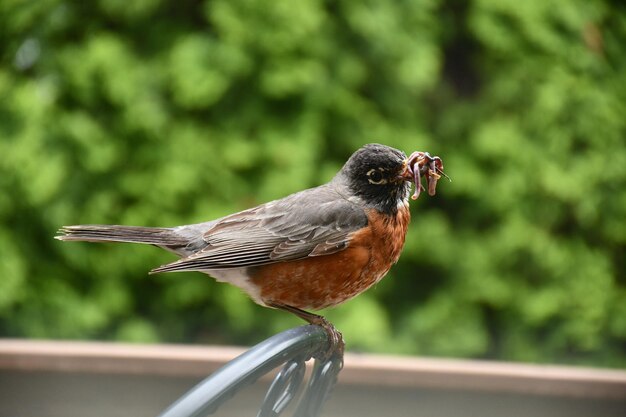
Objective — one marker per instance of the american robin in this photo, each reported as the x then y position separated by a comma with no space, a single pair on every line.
310,250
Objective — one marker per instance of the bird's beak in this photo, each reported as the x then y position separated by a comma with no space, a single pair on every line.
406,174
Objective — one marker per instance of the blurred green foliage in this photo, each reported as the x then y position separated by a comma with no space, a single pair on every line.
154,112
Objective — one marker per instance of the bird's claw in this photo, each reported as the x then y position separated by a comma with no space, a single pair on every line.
336,344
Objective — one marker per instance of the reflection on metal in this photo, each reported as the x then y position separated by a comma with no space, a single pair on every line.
292,348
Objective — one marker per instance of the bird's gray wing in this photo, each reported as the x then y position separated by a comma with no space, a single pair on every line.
313,222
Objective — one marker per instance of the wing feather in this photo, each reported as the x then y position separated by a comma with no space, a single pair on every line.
314,222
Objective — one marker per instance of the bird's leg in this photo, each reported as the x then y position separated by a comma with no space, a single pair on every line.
335,337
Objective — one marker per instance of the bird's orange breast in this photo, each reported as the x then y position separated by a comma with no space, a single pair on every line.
324,281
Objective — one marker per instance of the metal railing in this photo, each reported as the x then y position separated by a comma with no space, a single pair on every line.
292,349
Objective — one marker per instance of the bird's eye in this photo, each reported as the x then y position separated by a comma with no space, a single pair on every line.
375,176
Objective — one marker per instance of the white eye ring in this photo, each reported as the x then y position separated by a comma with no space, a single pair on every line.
374,181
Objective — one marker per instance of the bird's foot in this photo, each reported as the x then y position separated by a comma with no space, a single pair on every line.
336,344
335,339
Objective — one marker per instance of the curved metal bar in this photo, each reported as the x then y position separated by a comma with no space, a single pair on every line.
293,346
283,389
323,380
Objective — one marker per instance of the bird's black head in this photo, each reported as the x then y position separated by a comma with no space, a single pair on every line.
377,174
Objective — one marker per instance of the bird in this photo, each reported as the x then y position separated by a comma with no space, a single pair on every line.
305,252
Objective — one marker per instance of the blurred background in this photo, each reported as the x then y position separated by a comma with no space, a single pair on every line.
160,113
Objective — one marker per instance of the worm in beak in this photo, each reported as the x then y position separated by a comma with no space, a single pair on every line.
421,164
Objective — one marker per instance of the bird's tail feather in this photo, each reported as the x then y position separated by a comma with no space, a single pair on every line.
113,233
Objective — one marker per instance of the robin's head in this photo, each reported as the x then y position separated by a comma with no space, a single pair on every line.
378,174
